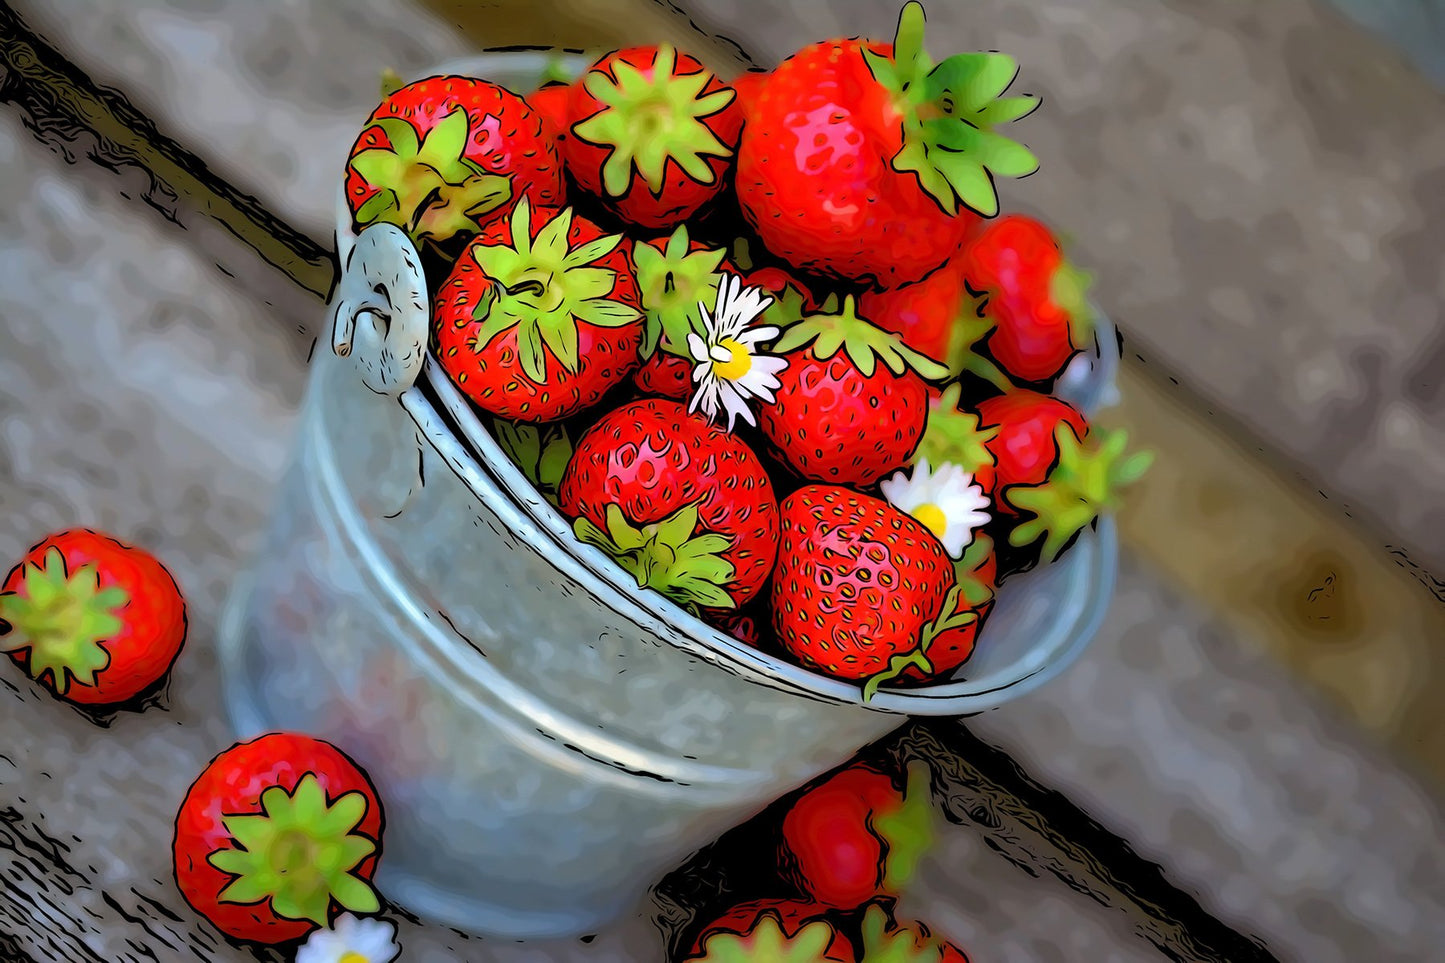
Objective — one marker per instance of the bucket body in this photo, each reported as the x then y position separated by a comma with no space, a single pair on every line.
547,740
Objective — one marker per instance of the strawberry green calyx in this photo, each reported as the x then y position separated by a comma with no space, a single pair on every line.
667,556
949,618
953,437
949,114
899,945
649,120
767,943
865,342
543,288
300,853
428,187
672,283
908,830
541,455
968,331
973,591
390,83
1084,483
62,618
1069,288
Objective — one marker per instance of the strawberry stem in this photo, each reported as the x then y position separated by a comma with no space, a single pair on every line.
953,437
672,283
667,556
865,343
300,853
62,618
768,943
1084,483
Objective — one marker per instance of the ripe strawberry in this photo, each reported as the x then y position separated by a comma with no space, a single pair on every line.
976,576
653,134
855,836
277,836
1053,466
857,155
447,156
539,318
1033,295
886,940
552,102
937,317
839,416
96,621
676,277
747,86
860,587
772,931
684,506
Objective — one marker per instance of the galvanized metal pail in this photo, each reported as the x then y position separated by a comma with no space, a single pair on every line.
548,742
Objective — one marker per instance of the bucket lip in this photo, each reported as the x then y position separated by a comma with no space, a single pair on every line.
545,529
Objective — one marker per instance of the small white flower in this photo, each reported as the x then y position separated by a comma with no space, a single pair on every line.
729,369
353,940
947,502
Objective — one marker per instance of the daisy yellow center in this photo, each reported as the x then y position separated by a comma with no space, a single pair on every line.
737,365
351,956
932,518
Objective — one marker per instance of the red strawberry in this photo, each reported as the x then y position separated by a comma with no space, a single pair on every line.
1034,296
859,586
744,628
976,574
94,620
855,836
839,416
276,837
674,276
653,134
886,940
772,931
683,505
747,86
937,317
539,318
449,155
1052,466
551,102
857,155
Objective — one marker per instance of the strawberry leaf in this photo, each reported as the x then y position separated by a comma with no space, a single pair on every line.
883,943
864,342
767,942
953,437
667,556
908,830
61,621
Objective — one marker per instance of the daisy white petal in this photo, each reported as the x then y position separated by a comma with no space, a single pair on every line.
948,502
351,940
697,346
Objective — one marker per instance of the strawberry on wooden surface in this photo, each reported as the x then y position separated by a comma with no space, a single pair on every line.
682,505
276,836
444,157
855,836
653,134
772,931
96,621
866,162
540,317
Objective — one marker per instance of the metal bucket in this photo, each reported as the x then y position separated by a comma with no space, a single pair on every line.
548,742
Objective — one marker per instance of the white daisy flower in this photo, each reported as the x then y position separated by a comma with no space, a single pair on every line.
948,502
352,940
729,369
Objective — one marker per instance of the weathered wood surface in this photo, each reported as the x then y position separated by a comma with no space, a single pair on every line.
1004,916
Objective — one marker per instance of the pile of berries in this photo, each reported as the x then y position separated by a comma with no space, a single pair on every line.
767,341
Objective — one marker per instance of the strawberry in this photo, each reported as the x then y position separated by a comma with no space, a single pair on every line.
855,836
747,86
676,277
1053,466
653,134
1032,294
96,621
886,940
860,587
772,931
446,156
276,837
857,155
540,316
684,506
840,416
552,102
939,318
